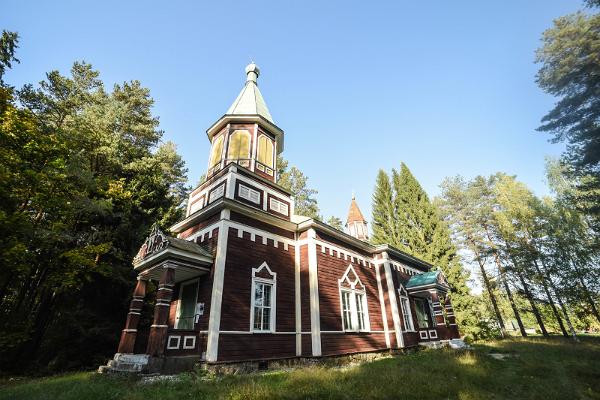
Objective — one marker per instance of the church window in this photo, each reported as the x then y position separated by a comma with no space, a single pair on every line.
265,151
249,194
264,285
355,316
278,206
216,152
239,145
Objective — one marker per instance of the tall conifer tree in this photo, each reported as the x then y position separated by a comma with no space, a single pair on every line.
404,217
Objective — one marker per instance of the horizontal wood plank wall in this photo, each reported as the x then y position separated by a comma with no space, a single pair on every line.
243,254
258,346
190,231
261,225
411,339
346,343
331,269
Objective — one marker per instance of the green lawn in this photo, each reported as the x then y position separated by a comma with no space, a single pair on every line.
535,369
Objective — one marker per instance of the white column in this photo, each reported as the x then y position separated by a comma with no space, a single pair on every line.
393,300
383,310
214,321
315,319
298,307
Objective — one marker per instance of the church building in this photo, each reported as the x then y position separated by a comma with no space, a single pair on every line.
242,278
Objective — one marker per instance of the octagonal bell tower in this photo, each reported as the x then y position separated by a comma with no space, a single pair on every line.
246,134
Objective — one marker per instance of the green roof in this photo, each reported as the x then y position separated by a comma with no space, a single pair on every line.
426,278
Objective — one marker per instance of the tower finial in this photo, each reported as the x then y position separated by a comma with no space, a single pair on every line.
353,196
252,72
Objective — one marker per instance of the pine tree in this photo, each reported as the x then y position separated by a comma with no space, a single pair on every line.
404,217
383,221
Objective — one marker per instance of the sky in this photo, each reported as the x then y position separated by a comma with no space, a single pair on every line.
447,87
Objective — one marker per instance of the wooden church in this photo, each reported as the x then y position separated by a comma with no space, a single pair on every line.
242,278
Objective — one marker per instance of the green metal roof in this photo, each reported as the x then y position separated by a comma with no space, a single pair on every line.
426,278
250,100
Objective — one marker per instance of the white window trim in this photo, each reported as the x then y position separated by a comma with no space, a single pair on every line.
356,287
408,315
273,283
175,347
433,334
423,335
178,313
250,192
279,204
188,347
218,192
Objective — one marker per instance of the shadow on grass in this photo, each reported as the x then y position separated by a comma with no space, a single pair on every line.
540,369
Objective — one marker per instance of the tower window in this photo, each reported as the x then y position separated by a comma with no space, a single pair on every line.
239,145
265,151
216,152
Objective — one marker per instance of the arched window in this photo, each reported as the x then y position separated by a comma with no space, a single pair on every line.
265,151
263,299
216,152
239,145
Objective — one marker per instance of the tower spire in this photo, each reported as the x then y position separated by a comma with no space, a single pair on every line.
356,223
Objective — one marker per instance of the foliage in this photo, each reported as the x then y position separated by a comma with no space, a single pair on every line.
534,369
336,223
83,176
296,182
404,217
570,70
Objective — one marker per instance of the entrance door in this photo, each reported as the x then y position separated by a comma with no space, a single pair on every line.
187,305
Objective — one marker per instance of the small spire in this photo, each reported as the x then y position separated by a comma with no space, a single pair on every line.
252,72
353,196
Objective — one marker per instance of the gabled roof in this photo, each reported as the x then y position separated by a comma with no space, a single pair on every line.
250,100
426,278
354,213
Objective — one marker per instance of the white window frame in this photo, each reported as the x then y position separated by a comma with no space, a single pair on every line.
273,283
247,193
216,193
176,346
277,205
356,288
188,346
272,150
178,312
409,324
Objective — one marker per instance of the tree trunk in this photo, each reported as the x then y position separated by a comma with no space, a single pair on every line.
488,286
586,291
502,271
544,280
565,312
534,308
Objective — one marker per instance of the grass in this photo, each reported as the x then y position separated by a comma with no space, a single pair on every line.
535,369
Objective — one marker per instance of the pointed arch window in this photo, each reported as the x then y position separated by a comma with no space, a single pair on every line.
216,151
263,301
265,151
353,301
239,145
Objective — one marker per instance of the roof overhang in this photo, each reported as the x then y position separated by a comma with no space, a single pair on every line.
427,288
255,118
229,204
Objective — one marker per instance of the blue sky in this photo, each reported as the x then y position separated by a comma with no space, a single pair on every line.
446,87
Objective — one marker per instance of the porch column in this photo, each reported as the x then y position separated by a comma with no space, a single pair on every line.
129,334
158,331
